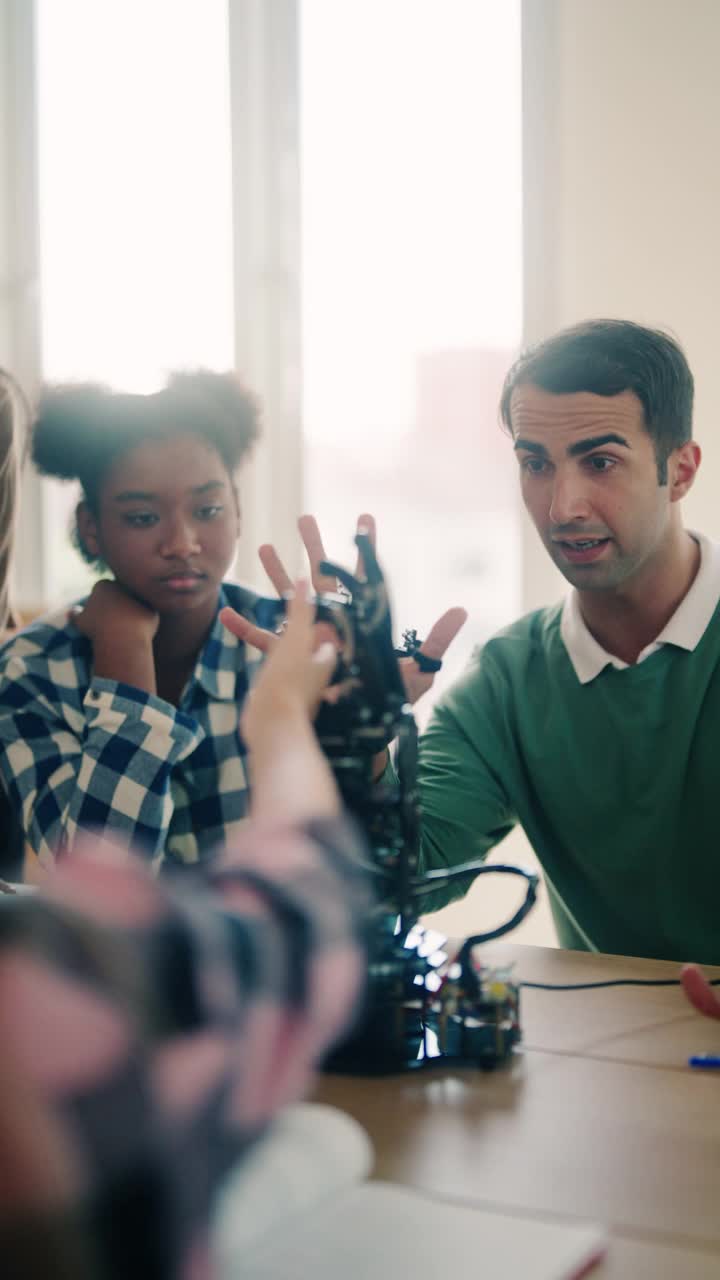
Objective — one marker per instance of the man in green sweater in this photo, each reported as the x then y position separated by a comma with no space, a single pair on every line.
595,724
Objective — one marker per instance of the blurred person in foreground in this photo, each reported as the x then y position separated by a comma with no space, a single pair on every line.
151,1029
150,1033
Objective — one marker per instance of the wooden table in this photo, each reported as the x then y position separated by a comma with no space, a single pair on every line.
598,1118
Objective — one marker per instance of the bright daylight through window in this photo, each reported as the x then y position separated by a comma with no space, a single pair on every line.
135,200
411,285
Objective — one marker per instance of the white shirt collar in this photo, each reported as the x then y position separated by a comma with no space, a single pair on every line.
684,629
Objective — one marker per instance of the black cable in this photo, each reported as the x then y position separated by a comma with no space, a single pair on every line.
431,881
437,878
615,982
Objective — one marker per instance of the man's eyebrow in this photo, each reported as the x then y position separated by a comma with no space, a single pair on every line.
530,446
574,450
208,487
595,442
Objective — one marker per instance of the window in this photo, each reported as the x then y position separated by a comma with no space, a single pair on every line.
409,257
134,202
411,287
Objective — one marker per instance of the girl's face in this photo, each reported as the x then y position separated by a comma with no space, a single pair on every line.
167,523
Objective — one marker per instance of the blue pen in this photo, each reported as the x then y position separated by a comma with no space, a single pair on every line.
710,1061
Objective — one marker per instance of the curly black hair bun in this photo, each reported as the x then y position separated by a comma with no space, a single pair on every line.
68,429
81,429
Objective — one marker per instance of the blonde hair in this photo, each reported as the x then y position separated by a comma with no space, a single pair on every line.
13,419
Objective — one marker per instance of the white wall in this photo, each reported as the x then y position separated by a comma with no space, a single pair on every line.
622,192
622,218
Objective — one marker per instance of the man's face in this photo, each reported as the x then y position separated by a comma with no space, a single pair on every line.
167,523
589,479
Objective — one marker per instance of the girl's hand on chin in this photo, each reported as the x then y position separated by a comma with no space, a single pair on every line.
110,611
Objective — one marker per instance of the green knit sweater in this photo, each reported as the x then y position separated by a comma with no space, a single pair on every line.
613,781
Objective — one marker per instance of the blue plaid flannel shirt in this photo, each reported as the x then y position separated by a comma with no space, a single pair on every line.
79,753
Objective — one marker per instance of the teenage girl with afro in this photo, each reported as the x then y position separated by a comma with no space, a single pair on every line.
122,713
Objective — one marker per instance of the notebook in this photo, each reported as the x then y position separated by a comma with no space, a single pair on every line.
379,1230
332,1224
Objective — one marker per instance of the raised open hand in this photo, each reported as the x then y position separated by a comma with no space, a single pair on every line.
313,543
441,635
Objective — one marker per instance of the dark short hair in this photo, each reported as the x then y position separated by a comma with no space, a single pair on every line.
81,429
606,357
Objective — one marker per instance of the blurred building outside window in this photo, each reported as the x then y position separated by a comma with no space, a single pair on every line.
410,117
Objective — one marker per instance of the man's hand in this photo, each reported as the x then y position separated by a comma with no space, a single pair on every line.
121,630
439,638
699,992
